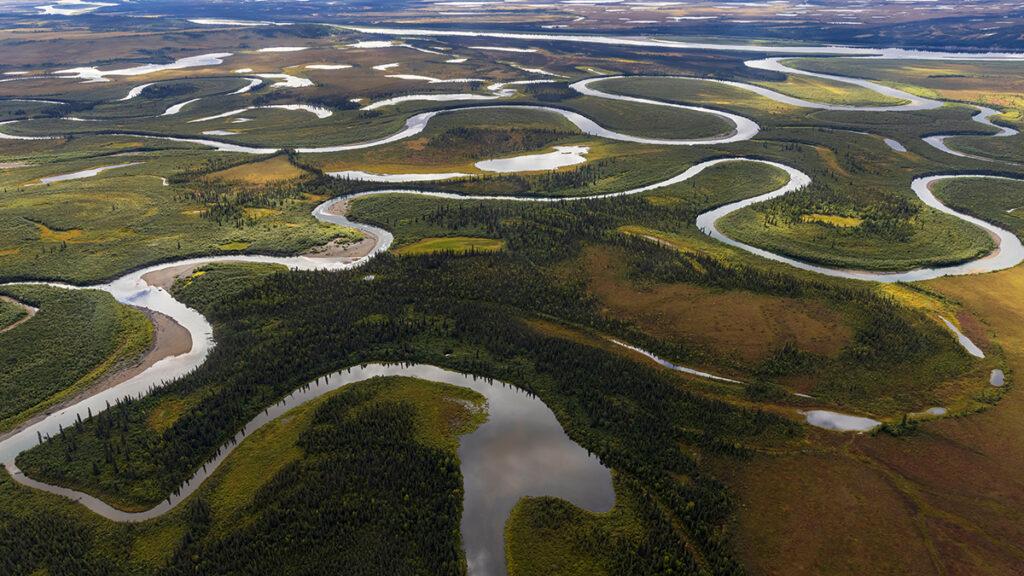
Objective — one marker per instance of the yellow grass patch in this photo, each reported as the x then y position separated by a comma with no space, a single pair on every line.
166,414
919,299
274,169
549,328
833,220
47,234
260,212
663,200
234,246
829,158
9,251
821,90
193,276
679,242
459,244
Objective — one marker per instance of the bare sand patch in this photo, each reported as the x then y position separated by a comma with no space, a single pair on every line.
165,277
169,339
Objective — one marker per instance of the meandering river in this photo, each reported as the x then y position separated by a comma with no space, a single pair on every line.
521,450
512,454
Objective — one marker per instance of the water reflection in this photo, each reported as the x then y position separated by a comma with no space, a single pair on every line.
521,450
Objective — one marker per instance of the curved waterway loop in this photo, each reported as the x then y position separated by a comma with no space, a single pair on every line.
521,450
983,116
913,102
134,290
1008,253
745,127
910,102
745,130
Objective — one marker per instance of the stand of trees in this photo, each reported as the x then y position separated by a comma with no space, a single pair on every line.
367,498
884,214
282,330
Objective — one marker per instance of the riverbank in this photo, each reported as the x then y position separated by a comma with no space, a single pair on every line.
169,339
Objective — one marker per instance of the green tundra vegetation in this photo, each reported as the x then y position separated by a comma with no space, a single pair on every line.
819,224
533,294
989,83
648,120
830,92
546,535
453,142
381,439
118,450
666,216
998,201
1006,149
850,216
76,338
254,215
474,313
674,208
97,228
11,312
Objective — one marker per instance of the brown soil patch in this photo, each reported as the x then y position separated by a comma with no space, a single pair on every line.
813,515
341,248
743,324
169,339
974,329
958,480
165,277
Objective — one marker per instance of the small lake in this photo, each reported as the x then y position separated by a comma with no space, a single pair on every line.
562,156
840,422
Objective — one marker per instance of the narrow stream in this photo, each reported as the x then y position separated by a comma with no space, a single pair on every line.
1008,253
521,450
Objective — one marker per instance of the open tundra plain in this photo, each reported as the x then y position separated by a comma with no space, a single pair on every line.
587,287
